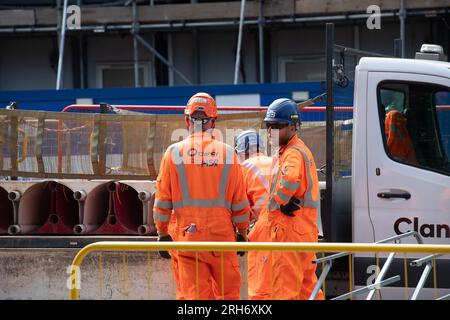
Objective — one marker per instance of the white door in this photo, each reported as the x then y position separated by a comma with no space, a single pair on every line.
408,160
408,176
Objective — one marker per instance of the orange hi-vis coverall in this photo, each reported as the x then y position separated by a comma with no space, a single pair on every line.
287,275
399,141
256,172
200,181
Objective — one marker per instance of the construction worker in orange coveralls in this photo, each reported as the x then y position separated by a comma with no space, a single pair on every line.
256,167
201,183
290,214
399,141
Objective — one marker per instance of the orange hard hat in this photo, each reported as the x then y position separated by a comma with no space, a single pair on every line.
202,102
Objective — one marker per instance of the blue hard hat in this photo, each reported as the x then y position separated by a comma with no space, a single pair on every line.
249,140
282,110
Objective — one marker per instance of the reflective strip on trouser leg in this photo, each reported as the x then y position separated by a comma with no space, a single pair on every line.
161,217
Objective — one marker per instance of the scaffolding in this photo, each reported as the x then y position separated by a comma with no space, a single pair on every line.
135,27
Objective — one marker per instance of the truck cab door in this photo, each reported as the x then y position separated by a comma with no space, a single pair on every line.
408,150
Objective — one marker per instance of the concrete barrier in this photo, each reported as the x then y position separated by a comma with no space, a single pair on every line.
42,274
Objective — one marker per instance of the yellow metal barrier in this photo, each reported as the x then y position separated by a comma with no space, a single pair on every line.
241,246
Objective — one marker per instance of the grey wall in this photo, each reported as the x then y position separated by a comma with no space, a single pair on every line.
418,31
26,63
304,42
217,56
184,56
209,57
112,48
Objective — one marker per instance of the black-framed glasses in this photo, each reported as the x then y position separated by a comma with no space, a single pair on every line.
203,121
276,125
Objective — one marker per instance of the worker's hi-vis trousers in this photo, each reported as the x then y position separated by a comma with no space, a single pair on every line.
176,274
281,275
174,257
206,275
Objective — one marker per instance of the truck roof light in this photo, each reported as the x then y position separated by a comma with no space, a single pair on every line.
431,52
431,48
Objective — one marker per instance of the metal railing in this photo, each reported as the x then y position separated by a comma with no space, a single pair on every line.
328,261
234,246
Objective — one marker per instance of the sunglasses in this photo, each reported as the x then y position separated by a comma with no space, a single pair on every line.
277,126
200,120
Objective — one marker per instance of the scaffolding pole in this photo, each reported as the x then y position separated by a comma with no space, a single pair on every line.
402,15
62,38
239,43
328,217
261,41
135,46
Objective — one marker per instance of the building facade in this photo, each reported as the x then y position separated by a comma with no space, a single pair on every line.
195,42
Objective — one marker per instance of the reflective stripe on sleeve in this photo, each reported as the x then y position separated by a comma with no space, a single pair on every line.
240,205
163,204
241,218
289,185
308,201
283,196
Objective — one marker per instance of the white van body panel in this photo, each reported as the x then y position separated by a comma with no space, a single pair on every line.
429,204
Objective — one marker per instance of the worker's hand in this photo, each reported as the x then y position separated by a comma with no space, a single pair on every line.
165,254
241,238
291,206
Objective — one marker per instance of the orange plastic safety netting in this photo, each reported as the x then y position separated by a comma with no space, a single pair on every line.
111,146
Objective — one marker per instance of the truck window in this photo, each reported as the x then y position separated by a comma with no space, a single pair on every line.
415,122
442,103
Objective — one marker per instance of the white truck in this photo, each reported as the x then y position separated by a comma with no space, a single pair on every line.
395,190
391,194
